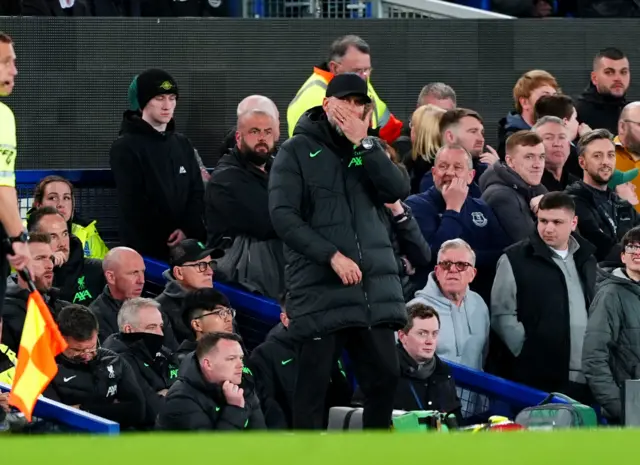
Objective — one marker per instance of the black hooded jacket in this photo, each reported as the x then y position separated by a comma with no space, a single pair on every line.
15,311
159,186
97,385
194,404
603,217
324,197
155,367
80,279
237,201
274,365
599,110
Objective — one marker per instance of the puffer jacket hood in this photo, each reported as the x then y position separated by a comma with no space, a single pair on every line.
173,288
501,174
591,95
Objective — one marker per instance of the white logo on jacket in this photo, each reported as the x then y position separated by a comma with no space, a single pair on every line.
182,170
111,372
112,391
479,219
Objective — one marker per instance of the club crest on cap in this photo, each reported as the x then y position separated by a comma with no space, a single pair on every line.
166,85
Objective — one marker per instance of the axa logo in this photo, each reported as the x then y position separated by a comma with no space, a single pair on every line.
83,293
355,161
112,391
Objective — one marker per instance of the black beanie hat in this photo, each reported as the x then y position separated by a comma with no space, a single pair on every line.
154,82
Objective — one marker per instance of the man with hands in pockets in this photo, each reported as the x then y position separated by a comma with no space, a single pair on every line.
326,186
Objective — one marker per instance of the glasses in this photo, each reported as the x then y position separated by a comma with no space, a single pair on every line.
459,266
632,249
224,314
91,351
202,266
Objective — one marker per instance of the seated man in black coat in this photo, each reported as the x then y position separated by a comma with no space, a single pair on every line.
425,380
207,395
140,343
15,301
236,205
92,379
274,364
79,279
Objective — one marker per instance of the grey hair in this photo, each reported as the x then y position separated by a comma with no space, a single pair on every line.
457,244
128,314
548,119
257,104
439,90
340,46
454,147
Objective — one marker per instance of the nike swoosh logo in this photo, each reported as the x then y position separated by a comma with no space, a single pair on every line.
313,154
66,380
284,362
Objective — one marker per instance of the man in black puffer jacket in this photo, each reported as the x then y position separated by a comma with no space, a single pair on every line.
79,279
207,395
93,379
326,185
140,343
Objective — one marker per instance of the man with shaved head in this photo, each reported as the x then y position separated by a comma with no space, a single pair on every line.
628,141
236,197
252,102
124,272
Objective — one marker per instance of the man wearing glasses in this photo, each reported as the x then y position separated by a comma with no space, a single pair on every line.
204,311
191,267
93,379
612,343
628,140
543,288
464,316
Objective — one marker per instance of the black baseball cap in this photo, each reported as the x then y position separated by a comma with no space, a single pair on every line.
191,250
344,85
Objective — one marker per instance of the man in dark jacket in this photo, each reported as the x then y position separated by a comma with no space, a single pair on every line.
158,180
274,363
512,189
237,205
207,395
204,311
543,288
604,98
425,380
325,188
92,379
79,279
528,89
191,267
447,211
612,343
603,217
17,295
140,344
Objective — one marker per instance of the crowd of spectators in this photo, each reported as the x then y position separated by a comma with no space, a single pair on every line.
410,245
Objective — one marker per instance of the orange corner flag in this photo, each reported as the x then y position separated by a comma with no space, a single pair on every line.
41,341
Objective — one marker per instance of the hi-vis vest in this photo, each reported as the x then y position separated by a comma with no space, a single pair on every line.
313,91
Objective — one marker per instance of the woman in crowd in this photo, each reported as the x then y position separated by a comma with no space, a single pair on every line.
425,142
57,192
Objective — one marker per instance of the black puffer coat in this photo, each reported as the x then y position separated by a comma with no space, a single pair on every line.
324,198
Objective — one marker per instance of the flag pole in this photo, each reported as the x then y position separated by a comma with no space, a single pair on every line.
26,277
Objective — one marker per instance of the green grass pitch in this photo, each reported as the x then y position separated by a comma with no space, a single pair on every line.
518,448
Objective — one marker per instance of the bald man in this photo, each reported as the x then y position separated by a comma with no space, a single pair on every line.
628,141
123,270
236,198
251,102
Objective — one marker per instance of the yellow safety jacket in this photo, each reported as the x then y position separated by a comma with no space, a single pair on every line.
8,364
313,92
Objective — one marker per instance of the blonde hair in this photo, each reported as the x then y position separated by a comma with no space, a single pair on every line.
425,121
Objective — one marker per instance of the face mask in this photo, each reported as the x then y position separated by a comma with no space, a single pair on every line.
153,342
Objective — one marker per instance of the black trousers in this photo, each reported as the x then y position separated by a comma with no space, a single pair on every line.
375,361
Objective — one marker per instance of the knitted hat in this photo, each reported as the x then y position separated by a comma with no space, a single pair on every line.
149,84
